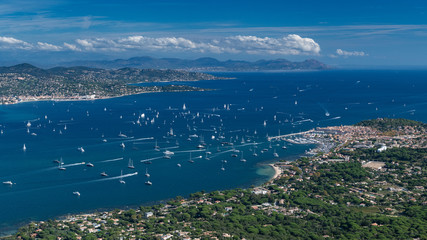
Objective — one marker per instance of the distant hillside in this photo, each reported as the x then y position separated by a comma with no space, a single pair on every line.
26,82
387,124
202,64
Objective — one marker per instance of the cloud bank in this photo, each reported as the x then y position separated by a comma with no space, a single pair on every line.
291,44
344,53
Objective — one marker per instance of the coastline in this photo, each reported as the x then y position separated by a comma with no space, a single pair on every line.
29,100
277,171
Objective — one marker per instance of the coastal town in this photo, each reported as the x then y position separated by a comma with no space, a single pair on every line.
370,184
24,82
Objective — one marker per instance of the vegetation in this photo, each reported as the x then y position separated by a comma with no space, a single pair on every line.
294,207
387,124
24,81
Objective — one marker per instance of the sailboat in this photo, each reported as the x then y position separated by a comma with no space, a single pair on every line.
146,173
130,164
156,147
104,174
148,183
77,194
24,148
222,167
122,145
242,159
60,167
121,178
275,154
255,154
191,160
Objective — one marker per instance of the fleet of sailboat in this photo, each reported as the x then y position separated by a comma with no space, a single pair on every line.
238,140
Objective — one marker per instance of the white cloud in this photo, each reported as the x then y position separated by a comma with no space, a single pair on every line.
344,53
13,43
288,45
71,47
48,46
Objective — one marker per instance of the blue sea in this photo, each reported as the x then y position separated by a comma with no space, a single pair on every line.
241,111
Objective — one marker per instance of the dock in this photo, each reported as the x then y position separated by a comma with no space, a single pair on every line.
289,135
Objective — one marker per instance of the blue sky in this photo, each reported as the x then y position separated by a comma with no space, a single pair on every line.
342,33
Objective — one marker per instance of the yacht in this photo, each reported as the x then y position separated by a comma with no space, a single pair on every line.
148,183
60,167
190,160
8,183
89,164
104,174
24,148
275,154
222,168
146,173
121,178
77,194
130,164
242,159
156,147
179,165
167,152
81,149
122,145
122,135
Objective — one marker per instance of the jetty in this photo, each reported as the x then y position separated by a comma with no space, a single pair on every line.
278,137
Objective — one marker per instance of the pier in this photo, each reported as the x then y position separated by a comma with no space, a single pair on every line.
289,135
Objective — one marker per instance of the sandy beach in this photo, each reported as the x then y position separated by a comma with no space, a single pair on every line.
277,171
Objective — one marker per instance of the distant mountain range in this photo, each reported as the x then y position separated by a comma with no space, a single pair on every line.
202,64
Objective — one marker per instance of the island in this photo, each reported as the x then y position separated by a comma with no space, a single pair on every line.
25,82
370,184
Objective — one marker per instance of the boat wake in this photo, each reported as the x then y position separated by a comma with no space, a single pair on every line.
112,178
112,160
71,184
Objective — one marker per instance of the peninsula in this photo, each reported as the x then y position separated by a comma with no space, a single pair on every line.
369,185
25,82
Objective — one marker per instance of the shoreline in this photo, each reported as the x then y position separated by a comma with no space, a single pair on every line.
277,171
93,99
